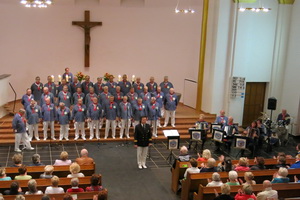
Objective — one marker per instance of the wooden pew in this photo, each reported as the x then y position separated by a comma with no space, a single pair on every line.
192,182
284,190
178,171
42,184
60,171
81,195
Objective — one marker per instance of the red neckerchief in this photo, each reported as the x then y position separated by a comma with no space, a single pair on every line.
65,95
125,105
166,84
91,95
118,95
151,85
124,82
49,86
111,105
99,86
46,95
29,98
145,95
95,106
87,84
106,95
32,110
48,105
138,84
38,84
22,118
78,95
153,105
63,112
158,95
140,107
171,97
79,108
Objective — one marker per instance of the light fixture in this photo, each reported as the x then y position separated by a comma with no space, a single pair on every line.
257,9
185,11
36,3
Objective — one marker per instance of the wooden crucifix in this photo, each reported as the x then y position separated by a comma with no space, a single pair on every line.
86,25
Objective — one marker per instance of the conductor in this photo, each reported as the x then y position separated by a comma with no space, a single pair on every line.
142,140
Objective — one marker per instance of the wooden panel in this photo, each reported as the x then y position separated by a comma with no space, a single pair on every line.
254,102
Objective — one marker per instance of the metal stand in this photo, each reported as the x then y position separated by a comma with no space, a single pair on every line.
170,157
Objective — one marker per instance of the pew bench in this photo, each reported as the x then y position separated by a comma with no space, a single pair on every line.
180,167
192,182
42,184
80,196
284,190
60,171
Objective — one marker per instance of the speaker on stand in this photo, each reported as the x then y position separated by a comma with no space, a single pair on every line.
272,103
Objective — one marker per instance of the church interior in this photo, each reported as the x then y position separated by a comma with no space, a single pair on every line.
237,56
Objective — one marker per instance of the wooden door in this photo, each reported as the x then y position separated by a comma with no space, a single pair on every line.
254,101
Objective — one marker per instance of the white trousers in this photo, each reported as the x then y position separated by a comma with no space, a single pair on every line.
33,128
125,124
100,123
21,137
94,125
64,132
79,127
142,155
134,123
170,113
162,111
112,124
46,124
154,125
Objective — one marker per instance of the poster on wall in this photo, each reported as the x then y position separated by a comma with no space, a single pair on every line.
238,86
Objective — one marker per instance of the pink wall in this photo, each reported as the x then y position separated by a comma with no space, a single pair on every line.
144,41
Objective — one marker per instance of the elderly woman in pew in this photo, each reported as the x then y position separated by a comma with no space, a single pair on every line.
215,181
242,165
32,188
209,166
183,156
232,176
225,193
36,160
75,186
281,176
249,179
245,194
23,174
63,159
48,170
205,155
54,189
75,171
260,164
17,160
3,176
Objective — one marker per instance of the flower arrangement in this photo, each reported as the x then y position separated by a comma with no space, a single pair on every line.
107,76
80,76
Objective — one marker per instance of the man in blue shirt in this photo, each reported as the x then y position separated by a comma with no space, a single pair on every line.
79,117
33,116
94,115
154,115
125,115
63,116
19,126
171,102
26,98
166,85
125,85
110,114
48,116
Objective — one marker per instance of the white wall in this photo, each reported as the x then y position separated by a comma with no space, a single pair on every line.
145,41
4,93
291,92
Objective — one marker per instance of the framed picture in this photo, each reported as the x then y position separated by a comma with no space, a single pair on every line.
173,142
218,135
215,126
196,134
240,142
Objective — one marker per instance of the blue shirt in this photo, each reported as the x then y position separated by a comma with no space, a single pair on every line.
60,88
94,111
296,165
138,111
132,97
160,98
88,98
63,116
70,77
45,96
77,96
125,86
79,113
165,87
18,124
146,97
37,90
98,88
171,102
138,88
281,180
26,100
154,111
65,98
118,97
74,87
33,114
111,87
221,120
51,87
104,98
125,110
48,112
85,86
110,111
152,87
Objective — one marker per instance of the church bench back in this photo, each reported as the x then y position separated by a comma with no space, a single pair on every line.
60,171
80,196
178,171
283,189
192,181
42,184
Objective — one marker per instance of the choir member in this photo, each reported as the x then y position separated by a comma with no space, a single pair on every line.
78,95
89,97
154,115
65,97
98,86
125,85
170,104
50,85
104,96
68,75
152,86
37,89
33,116
111,85
63,116
48,116
146,96
221,119
27,98
166,85
74,85
79,117
125,115
86,84
160,98
62,85
94,115
138,110
138,86
46,94
132,96
118,99
110,114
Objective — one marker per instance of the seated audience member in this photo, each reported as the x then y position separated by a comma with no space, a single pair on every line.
245,194
281,162
1,196
75,171
225,164
14,189
75,184
296,180
215,181
183,154
17,160
20,197
193,169
48,170
84,159
63,159
32,189
298,149
23,174
232,176
210,166
205,155
242,165
3,176
54,189
248,176
96,184
36,160
268,192
68,197
225,193
281,176
45,197
102,195
297,163
260,164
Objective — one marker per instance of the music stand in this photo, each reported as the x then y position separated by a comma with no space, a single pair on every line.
173,142
195,136
215,126
240,142
218,135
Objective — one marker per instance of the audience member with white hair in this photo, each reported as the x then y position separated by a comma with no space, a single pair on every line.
281,176
75,184
232,176
209,166
183,154
225,193
84,158
268,192
215,181
75,171
32,187
48,170
54,189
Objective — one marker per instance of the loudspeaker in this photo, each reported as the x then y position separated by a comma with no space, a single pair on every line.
272,102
